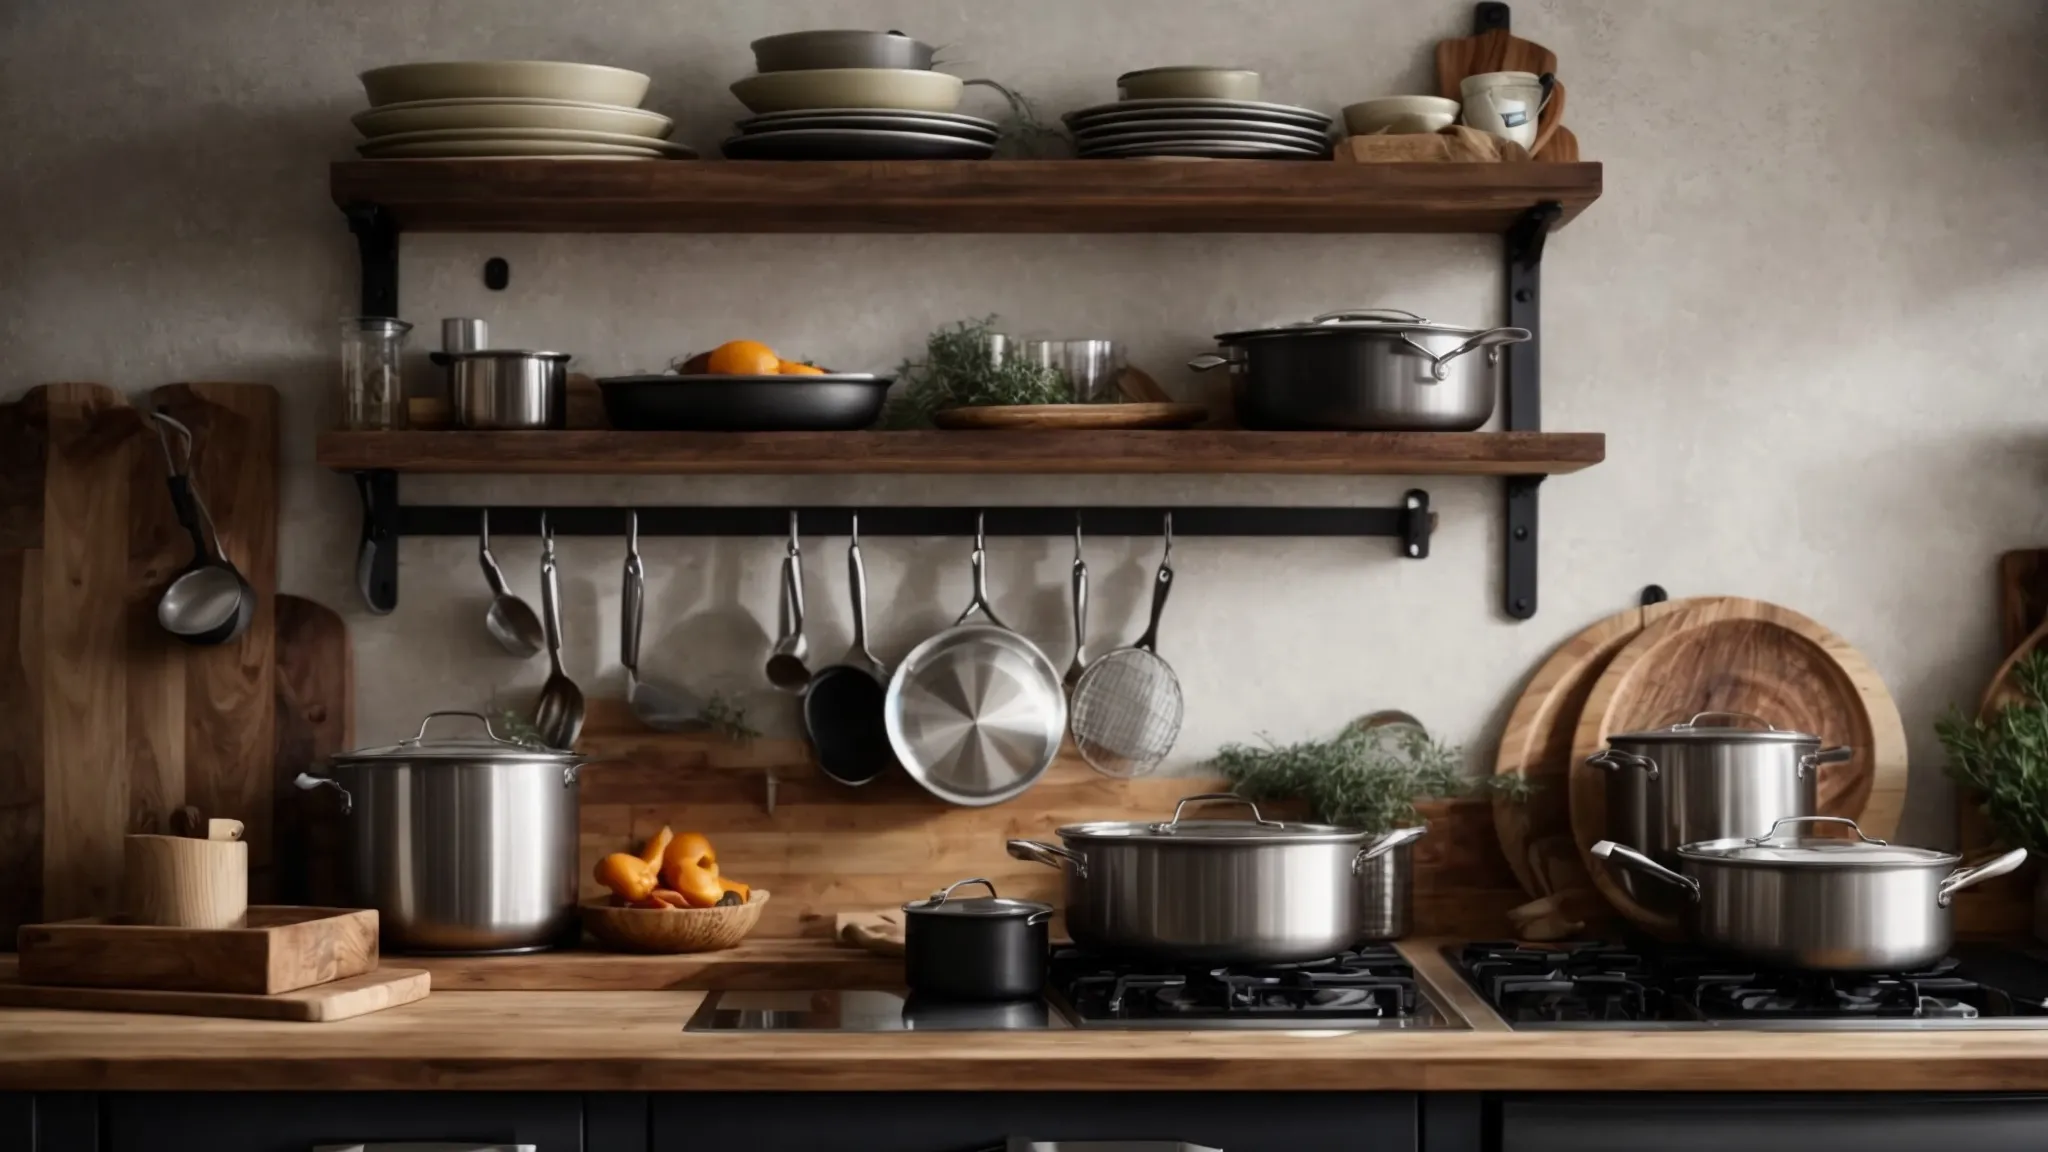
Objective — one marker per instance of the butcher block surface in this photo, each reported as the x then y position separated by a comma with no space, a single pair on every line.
634,1040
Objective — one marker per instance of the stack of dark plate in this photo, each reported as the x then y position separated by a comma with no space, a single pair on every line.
1196,127
862,134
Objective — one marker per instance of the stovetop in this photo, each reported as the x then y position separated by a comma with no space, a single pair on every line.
1650,986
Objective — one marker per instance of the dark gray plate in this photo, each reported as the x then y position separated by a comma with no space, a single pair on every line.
853,144
871,121
1311,143
1196,109
1127,128
1210,149
671,403
959,118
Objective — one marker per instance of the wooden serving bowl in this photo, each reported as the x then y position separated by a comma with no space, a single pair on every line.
672,930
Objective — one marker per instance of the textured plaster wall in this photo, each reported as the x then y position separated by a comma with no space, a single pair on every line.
1804,313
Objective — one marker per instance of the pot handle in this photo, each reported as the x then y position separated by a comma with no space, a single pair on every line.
1213,798
1836,755
1208,360
1963,878
306,782
421,736
946,893
1614,758
1353,315
1491,340
1050,855
1752,717
1384,845
1630,858
1843,820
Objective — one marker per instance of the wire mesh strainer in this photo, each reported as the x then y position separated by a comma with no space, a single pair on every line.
1127,707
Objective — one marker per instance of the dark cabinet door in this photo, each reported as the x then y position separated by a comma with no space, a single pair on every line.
1835,1122
300,1122
972,1121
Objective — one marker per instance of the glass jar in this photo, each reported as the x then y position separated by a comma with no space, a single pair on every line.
372,386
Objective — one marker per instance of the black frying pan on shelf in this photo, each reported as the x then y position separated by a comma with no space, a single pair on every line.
672,403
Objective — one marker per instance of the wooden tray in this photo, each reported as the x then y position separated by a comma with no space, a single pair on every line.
1743,656
1100,417
282,949
355,996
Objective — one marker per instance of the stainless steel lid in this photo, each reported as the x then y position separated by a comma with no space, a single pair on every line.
1256,830
491,747
507,354
1747,729
1391,321
944,903
1776,849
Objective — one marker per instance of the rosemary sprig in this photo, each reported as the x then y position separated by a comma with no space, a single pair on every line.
958,372
1365,778
2005,759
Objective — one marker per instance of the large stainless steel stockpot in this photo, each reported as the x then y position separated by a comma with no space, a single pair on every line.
1715,776
462,845
1822,903
1367,370
1214,891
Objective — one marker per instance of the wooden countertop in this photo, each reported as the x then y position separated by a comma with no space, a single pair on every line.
634,1040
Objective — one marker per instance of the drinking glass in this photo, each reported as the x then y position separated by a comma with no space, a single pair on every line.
372,386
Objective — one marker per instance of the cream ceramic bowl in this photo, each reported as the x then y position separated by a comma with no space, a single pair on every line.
507,112
1400,115
903,89
1188,82
530,79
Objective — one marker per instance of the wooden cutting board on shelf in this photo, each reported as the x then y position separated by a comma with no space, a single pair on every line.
320,1004
315,710
1735,655
1099,417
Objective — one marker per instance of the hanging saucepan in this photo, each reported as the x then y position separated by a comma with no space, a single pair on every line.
1816,902
1365,370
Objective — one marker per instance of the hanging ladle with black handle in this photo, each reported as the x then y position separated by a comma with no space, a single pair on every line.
209,602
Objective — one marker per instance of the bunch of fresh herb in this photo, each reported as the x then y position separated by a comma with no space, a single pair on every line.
2005,759
1367,778
728,718
958,372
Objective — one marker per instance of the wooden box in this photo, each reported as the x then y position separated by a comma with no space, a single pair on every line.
281,949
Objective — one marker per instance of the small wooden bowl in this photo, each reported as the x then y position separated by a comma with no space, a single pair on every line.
673,930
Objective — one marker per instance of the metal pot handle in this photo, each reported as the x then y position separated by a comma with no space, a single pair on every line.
1213,798
1353,315
1491,340
1844,820
1813,760
421,736
1208,360
1384,845
1963,878
946,893
306,782
1766,725
1629,857
1050,855
1614,758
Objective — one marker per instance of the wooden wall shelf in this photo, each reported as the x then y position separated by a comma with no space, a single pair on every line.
957,196
988,453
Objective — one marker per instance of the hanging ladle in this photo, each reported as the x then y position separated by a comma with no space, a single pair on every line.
209,602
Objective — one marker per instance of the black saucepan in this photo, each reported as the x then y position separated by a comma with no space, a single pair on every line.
975,948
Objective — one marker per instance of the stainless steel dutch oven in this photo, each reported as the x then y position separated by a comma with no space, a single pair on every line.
1214,891
1822,903
462,845
1715,776
1366,370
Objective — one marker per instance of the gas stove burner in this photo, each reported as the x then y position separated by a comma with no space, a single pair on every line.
1371,987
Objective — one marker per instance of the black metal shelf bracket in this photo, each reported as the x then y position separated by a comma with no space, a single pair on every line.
377,244
386,522
1523,249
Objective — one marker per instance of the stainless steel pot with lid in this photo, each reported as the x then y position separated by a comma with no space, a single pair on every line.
461,844
1825,903
1364,369
1713,776
1213,891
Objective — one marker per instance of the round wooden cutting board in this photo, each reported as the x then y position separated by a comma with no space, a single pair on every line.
1536,834
1073,417
1733,655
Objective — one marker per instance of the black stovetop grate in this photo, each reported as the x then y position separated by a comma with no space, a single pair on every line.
1366,984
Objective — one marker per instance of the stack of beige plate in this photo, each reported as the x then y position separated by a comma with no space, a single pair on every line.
844,94
1197,111
505,108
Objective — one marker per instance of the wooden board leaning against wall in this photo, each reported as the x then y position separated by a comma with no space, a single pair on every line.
113,722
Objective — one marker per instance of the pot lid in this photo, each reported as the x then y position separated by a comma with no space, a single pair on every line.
490,746
1256,830
1389,320
1785,845
944,903
507,354
1734,727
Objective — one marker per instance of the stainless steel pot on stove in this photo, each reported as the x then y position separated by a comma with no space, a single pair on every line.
1715,776
1214,891
1822,903
1364,369
461,845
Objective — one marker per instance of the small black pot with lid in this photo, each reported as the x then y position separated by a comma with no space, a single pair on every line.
975,948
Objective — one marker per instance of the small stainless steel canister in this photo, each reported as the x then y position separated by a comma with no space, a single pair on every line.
502,390
464,334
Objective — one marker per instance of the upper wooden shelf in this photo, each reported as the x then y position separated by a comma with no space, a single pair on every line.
958,196
1016,453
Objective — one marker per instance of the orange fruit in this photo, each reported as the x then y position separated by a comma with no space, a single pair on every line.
797,368
743,358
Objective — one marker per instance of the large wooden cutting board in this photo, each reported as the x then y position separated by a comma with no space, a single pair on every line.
322,1003
1736,655
1536,834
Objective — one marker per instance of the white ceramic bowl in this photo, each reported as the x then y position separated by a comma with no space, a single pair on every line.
1400,115
1188,82
905,89
506,112
531,79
